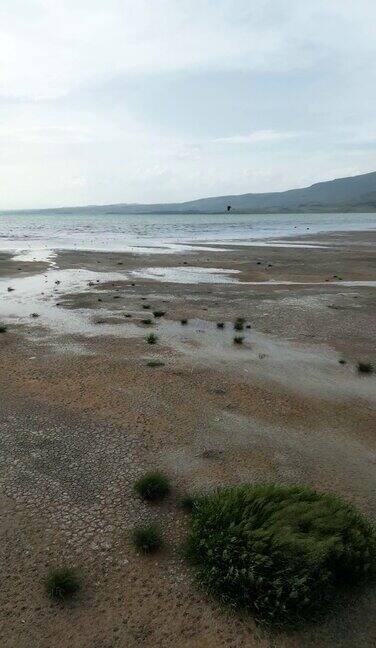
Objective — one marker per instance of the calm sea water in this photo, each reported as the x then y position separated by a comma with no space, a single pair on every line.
38,234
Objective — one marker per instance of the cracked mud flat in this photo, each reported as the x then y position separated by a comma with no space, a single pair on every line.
82,416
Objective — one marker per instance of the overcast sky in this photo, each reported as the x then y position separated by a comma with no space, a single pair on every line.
161,100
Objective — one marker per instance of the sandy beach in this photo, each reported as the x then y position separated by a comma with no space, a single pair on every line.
83,415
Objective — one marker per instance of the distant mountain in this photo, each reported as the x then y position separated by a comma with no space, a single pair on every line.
354,194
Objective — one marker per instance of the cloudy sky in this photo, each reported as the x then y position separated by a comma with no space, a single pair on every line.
161,100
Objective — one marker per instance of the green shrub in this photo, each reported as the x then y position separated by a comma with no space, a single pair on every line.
153,487
62,583
151,338
147,321
238,325
158,313
238,339
184,321
220,325
281,552
3,328
155,363
146,306
147,539
365,367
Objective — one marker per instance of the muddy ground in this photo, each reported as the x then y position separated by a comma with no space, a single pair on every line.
83,415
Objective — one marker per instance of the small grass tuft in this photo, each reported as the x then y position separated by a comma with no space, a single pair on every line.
159,313
188,503
155,363
239,324
62,583
147,321
365,367
147,539
151,338
238,339
3,328
146,306
153,487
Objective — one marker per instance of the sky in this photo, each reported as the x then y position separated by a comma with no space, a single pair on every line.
106,101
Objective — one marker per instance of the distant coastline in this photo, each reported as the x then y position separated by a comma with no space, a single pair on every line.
356,194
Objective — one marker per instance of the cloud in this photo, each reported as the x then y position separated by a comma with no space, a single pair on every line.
50,48
256,137
135,100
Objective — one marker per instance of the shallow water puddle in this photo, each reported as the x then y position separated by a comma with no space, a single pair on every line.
187,275
312,369
199,275
39,295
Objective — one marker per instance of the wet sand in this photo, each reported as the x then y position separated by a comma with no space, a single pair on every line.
83,416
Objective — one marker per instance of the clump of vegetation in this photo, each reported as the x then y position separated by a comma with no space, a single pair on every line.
147,539
62,583
155,363
342,361
238,339
365,367
239,324
159,313
3,328
147,321
220,325
146,306
280,552
153,487
184,321
151,338
188,503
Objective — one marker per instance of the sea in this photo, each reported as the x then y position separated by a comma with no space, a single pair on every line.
36,236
